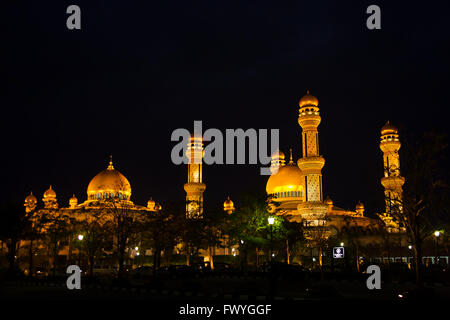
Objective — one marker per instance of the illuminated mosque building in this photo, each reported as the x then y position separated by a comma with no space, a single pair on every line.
107,187
295,189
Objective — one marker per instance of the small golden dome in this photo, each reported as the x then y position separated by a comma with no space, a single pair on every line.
73,199
359,205
278,155
328,201
109,183
288,178
151,204
228,202
388,128
228,205
50,194
73,202
30,199
308,100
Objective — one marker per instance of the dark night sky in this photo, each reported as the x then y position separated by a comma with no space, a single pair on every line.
138,70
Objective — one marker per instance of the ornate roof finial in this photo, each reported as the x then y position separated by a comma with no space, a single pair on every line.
110,167
307,91
290,157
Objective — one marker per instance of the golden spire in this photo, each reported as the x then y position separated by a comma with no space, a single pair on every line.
110,167
290,157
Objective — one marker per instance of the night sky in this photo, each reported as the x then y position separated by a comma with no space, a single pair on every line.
136,71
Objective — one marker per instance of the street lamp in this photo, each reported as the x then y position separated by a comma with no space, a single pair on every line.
80,237
437,234
342,244
271,221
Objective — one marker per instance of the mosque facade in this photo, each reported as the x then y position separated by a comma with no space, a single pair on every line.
294,189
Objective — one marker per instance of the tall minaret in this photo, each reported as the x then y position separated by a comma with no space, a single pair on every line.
311,163
392,181
194,187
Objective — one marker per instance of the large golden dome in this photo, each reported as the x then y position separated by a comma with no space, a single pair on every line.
287,182
109,183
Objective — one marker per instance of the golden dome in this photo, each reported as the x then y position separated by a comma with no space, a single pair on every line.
328,201
50,194
388,128
73,202
228,205
109,183
308,100
151,204
30,199
278,155
288,178
359,205
228,202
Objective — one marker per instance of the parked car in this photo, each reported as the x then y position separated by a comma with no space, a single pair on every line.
176,271
40,272
105,270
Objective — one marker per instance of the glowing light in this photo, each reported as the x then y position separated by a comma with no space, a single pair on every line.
437,233
271,220
342,244
80,237
410,247
136,248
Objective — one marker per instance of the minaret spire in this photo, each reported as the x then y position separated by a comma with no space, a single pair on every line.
110,167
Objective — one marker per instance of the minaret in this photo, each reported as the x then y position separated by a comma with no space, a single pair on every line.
194,187
311,163
392,181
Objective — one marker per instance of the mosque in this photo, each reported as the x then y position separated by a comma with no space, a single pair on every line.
107,185
294,190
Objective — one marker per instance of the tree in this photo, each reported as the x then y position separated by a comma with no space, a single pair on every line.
160,232
317,236
248,226
124,222
54,227
425,192
93,225
15,223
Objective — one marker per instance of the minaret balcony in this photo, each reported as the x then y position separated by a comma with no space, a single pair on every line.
392,182
309,121
311,165
194,188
